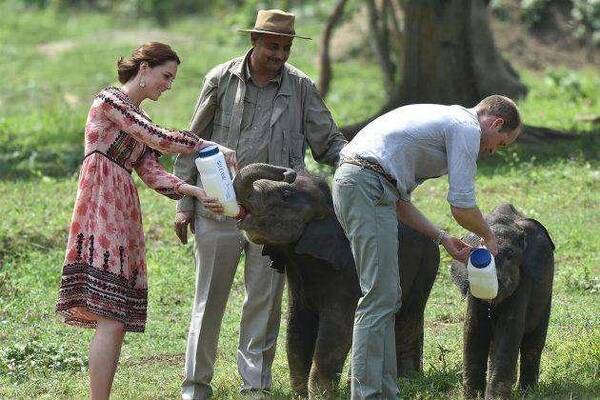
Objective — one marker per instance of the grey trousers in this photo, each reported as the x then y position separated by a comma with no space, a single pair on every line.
365,204
218,249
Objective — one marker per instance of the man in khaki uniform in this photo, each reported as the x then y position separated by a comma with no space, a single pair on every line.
268,111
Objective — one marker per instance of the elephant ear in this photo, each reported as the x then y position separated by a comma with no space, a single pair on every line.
324,239
458,270
539,249
279,258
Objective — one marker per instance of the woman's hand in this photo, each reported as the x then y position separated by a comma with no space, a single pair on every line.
458,249
209,202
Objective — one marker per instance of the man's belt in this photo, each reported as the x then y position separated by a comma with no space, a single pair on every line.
373,166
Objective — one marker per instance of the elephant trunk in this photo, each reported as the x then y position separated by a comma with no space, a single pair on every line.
244,181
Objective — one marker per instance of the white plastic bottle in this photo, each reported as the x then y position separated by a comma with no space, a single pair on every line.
481,269
216,179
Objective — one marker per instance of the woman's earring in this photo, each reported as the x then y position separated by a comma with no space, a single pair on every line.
142,83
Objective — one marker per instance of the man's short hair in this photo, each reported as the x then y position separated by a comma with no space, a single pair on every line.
503,107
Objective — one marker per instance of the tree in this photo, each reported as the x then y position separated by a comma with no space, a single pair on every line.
436,51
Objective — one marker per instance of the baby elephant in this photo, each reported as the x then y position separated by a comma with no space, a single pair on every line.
516,321
293,217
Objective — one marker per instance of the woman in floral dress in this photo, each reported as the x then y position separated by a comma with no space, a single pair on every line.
104,281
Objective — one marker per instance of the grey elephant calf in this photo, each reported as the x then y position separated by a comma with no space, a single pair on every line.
293,217
516,321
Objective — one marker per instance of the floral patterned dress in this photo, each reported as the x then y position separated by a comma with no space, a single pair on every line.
104,272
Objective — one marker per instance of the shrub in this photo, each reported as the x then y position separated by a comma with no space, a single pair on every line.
586,15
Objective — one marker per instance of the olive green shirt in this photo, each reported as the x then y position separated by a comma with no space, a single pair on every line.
253,146
229,108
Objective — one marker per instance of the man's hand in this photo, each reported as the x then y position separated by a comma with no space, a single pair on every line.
228,154
230,157
491,243
182,220
458,249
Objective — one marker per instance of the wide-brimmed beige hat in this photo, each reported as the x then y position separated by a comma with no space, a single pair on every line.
275,22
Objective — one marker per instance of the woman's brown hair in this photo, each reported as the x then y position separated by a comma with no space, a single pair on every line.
154,53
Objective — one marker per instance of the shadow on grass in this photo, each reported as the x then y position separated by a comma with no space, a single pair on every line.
61,161
21,163
583,146
20,242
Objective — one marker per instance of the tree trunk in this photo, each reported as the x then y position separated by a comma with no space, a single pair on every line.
324,59
449,57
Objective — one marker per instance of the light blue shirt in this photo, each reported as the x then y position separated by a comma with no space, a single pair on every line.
422,141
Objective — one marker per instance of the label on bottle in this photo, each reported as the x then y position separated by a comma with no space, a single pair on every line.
226,184
228,192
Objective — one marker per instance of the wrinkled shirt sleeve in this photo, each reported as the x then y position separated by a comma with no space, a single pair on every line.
462,149
201,126
324,138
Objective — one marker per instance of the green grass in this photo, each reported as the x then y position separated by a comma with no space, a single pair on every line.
44,102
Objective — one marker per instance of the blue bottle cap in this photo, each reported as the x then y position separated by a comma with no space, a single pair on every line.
480,257
208,151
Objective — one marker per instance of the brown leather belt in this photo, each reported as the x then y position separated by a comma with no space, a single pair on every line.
373,166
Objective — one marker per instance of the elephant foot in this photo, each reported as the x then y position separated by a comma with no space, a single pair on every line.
408,365
300,395
499,392
300,392
472,394
322,389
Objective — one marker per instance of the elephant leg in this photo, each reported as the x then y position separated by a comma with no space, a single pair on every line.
409,343
333,344
531,353
476,344
301,336
507,336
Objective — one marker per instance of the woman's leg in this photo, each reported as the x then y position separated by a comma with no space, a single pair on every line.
105,349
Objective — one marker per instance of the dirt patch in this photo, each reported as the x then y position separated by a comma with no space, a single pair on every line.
137,37
54,49
116,37
551,44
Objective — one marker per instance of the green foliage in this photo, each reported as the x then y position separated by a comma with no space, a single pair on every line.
586,14
565,82
533,12
498,8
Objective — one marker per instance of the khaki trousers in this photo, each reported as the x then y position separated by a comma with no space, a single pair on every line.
218,249
365,204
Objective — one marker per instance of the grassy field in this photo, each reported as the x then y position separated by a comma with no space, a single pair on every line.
52,66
